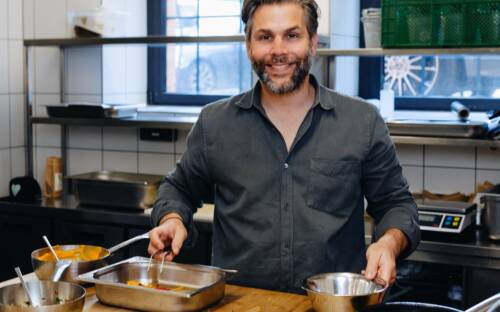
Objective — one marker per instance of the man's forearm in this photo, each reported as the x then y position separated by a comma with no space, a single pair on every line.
396,239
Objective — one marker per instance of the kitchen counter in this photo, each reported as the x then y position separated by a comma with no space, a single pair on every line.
472,248
236,298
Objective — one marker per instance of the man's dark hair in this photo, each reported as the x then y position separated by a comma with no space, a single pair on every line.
310,7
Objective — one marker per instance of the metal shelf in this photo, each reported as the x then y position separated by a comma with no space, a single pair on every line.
419,51
70,42
186,122
165,122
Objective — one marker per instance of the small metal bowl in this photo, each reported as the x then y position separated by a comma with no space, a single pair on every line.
347,292
47,297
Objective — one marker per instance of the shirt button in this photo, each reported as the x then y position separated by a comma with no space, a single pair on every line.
285,165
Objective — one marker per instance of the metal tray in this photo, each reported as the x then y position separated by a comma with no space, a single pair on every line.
440,128
116,189
205,285
88,110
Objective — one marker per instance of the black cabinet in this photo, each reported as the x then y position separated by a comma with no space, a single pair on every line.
20,235
104,235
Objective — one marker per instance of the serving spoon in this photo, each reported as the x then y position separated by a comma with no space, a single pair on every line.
61,265
20,275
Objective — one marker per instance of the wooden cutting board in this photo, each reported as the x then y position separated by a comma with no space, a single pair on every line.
236,298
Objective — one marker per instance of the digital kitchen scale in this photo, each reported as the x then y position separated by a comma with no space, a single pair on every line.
445,216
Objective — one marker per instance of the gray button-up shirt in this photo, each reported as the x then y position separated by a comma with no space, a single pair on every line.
282,216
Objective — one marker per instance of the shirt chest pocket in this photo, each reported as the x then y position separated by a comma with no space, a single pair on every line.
333,185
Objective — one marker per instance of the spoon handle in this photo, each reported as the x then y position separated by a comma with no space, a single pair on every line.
20,275
50,247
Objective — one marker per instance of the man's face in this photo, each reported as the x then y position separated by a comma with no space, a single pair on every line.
280,48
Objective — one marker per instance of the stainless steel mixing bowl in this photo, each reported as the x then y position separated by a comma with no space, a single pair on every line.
47,296
346,292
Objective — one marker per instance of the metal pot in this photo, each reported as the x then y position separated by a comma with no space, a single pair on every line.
491,304
347,292
47,296
47,270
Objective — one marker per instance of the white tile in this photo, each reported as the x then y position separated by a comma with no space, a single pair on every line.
17,120
81,161
345,17
154,146
84,70
137,69
324,18
47,74
47,135
135,98
180,144
114,70
15,19
50,19
4,22
85,137
449,180
156,163
120,161
15,66
4,67
488,175
410,154
136,22
18,161
29,19
5,172
415,177
120,139
114,98
89,98
40,156
488,158
4,122
450,156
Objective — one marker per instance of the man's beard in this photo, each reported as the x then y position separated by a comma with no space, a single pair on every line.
302,67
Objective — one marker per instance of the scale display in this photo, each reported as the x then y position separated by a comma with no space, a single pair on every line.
441,222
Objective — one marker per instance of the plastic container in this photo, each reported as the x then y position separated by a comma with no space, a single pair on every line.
440,23
53,180
372,25
100,21
387,102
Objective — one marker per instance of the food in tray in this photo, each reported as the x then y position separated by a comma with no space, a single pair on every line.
158,286
80,253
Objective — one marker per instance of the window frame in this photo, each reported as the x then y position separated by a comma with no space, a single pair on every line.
157,59
371,75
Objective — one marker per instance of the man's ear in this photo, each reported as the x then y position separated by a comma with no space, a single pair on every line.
249,49
314,44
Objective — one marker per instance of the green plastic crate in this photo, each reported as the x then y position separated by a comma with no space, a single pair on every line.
440,23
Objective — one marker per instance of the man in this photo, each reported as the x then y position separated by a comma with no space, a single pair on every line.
288,165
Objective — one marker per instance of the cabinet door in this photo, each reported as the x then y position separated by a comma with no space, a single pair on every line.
199,254
90,234
20,236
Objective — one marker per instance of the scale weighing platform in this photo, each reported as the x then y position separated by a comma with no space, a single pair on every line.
445,216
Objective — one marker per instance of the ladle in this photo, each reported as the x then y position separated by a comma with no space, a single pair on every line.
20,275
61,265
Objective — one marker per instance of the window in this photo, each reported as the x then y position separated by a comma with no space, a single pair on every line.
432,82
196,73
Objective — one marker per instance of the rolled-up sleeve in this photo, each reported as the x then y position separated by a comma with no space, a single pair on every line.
390,202
185,188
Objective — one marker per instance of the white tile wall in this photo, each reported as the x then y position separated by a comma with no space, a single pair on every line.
84,71
4,22
4,66
15,66
81,161
5,171
29,19
156,163
47,75
488,175
50,19
17,120
114,69
17,157
415,177
120,139
449,156
120,161
449,180
85,137
488,158
4,122
345,19
136,65
15,19
410,154
159,147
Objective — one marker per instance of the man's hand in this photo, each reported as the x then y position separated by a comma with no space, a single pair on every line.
170,232
381,256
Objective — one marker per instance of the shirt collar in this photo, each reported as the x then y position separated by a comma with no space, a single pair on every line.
322,96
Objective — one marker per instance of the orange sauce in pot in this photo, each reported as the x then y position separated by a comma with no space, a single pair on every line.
81,253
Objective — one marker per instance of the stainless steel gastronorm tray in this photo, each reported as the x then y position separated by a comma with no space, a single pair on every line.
204,285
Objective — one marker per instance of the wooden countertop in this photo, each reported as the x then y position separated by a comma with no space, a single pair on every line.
236,298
